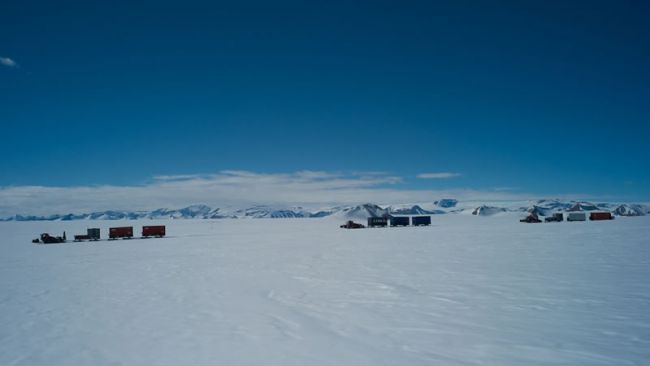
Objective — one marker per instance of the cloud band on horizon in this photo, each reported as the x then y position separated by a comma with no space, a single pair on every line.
312,189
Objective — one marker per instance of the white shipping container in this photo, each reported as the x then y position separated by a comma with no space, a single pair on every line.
576,216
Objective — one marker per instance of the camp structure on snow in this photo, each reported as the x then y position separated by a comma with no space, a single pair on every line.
125,232
153,230
421,220
377,221
594,216
400,221
576,216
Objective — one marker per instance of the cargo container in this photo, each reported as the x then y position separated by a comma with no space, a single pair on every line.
400,221
557,217
377,221
576,216
421,220
157,230
601,216
125,232
93,234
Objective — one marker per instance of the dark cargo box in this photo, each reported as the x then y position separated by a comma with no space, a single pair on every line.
93,234
158,230
399,221
421,220
377,221
556,217
120,232
601,216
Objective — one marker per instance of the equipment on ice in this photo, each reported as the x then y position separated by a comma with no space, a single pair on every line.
576,216
125,232
421,220
557,217
399,221
49,239
352,225
377,221
601,216
92,234
532,218
153,230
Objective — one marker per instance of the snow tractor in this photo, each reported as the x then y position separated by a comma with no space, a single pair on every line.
352,225
531,219
49,239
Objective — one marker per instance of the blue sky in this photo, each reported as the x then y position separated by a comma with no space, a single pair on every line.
534,97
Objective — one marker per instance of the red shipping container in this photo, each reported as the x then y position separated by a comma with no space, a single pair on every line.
601,216
120,232
157,230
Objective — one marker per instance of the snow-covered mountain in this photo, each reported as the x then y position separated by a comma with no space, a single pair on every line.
362,212
487,210
540,210
629,210
583,206
258,212
412,210
353,212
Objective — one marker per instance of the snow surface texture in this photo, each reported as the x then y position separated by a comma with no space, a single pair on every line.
467,290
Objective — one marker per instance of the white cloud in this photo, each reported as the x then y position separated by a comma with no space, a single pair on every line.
440,175
6,61
310,189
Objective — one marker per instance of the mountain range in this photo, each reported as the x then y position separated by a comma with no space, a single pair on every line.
360,212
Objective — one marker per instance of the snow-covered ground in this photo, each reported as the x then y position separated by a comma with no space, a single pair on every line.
466,291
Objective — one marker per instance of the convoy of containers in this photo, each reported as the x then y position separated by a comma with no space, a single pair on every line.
393,221
93,234
126,232
571,216
159,231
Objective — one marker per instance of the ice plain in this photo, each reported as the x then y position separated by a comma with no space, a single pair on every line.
465,291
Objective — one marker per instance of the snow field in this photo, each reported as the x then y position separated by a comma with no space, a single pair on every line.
465,291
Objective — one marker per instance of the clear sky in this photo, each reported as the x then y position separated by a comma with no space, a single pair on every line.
545,97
